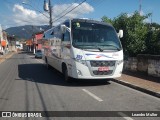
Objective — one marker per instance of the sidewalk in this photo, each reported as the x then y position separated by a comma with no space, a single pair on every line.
141,82
6,56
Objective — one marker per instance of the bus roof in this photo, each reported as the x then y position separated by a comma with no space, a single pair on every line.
90,21
82,20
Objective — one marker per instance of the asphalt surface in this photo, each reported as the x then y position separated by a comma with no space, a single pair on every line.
27,85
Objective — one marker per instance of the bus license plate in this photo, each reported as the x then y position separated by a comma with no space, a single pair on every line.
103,69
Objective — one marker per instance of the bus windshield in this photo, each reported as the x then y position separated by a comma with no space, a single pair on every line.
87,35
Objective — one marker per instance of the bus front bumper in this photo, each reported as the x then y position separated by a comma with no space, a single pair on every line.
83,72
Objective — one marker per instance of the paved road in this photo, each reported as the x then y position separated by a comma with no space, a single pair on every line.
26,85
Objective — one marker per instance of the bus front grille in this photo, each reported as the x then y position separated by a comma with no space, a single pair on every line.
102,63
97,64
96,72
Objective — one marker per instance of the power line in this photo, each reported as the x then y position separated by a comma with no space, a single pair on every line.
93,3
35,9
62,15
70,10
63,11
80,11
20,20
31,7
98,3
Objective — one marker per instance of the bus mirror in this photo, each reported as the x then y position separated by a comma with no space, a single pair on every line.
63,28
120,34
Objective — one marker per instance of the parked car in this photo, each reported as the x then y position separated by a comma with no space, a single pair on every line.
38,54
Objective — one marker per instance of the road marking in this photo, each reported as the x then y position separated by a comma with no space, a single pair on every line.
124,116
92,95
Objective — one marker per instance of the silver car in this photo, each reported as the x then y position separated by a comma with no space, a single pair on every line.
38,54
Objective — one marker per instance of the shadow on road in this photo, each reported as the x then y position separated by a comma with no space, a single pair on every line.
38,73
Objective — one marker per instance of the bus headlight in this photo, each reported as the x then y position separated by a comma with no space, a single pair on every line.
82,62
119,62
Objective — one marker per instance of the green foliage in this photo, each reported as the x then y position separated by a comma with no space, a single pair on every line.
106,19
136,32
153,42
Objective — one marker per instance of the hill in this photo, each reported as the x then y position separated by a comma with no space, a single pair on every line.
25,32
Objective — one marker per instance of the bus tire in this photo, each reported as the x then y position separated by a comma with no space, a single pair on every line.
47,65
65,74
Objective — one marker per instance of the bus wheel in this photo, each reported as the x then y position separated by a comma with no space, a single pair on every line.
47,65
65,74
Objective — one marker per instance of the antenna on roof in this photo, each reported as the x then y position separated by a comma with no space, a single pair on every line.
140,7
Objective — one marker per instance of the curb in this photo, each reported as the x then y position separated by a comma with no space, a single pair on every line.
155,94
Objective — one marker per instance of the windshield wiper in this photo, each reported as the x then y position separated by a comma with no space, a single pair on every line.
92,47
112,46
100,49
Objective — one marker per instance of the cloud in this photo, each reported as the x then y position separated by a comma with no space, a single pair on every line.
84,8
147,20
130,14
23,16
142,13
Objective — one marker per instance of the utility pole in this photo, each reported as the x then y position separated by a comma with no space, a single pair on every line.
50,13
48,7
33,39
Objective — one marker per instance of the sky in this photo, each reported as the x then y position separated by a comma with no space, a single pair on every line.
15,13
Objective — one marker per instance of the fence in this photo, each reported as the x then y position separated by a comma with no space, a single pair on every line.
149,64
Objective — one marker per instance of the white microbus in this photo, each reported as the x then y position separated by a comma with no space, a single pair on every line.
84,49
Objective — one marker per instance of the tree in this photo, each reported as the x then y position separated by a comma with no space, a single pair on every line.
107,20
135,31
153,42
